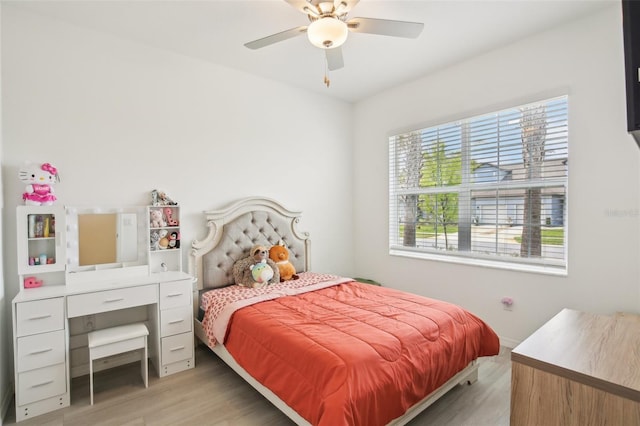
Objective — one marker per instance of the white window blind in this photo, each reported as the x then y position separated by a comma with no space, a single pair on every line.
491,188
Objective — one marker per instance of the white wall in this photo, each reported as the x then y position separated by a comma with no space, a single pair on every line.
5,323
585,57
119,119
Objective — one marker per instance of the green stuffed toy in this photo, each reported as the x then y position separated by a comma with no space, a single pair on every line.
256,270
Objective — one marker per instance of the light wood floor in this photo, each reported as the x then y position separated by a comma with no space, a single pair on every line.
212,394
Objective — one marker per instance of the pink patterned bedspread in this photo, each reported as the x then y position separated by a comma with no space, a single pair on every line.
220,304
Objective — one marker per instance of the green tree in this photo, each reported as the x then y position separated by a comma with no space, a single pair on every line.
441,169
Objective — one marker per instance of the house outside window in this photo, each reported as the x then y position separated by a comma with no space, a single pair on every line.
489,189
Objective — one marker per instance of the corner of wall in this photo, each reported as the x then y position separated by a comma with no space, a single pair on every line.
5,400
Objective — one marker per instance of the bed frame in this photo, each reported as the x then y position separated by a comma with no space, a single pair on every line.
232,231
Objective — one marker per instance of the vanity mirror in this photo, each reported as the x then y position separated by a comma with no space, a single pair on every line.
106,238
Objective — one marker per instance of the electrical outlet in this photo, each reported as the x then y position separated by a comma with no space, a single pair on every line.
507,303
89,322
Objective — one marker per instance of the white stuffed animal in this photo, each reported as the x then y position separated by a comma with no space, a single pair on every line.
154,239
157,219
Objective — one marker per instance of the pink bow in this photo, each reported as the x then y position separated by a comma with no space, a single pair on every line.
49,168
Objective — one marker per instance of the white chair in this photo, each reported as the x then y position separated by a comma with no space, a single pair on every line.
117,340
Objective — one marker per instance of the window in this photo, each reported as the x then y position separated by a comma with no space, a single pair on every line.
485,190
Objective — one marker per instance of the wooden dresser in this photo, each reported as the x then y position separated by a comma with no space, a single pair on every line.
578,369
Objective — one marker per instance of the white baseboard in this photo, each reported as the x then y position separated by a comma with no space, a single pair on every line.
7,396
509,343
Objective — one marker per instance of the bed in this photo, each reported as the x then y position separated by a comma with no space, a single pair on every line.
326,349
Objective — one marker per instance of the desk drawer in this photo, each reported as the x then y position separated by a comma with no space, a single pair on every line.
176,320
176,348
42,383
174,294
111,300
39,316
40,350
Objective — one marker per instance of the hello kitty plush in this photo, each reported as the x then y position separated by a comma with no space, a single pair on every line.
39,180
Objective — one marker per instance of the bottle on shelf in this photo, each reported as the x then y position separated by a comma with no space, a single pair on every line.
32,226
39,227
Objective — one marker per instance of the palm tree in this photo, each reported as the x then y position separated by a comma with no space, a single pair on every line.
410,173
533,123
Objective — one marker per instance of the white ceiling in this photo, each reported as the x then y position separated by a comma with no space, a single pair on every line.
215,31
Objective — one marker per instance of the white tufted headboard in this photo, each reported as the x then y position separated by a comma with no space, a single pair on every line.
234,229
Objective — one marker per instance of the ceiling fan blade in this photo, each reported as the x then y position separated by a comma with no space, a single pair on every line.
275,38
298,4
385,27
334,58
344,6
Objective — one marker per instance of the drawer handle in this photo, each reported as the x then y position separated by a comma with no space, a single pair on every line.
114,300
40,317
174,294
176,321
177,348
41,351
37,385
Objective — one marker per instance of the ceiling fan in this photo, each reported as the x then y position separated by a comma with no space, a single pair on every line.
329,28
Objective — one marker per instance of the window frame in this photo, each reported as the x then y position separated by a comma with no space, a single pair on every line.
517,263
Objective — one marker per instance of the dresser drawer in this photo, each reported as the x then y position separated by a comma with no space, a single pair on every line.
176,348
111,300
174,294
39,316
41,383
176,320
40,350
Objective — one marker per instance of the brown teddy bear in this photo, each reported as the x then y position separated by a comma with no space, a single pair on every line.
280,255
253,270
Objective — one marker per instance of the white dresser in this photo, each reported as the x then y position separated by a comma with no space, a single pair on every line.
40,347
176,327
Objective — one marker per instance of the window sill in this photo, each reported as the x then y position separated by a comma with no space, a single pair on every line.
558,271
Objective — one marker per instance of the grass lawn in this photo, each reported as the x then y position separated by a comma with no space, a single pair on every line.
550,236
427,231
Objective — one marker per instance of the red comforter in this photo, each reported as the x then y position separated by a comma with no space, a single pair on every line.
355,354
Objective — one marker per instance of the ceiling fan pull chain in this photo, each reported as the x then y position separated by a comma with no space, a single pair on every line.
327,81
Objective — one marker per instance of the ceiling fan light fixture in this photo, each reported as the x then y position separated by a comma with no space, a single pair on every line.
327,32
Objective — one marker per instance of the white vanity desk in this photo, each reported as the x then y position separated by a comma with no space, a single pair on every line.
42,323
167,296
51,322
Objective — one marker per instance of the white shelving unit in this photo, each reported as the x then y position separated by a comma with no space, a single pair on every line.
165,253
41,243
39,326
175,329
